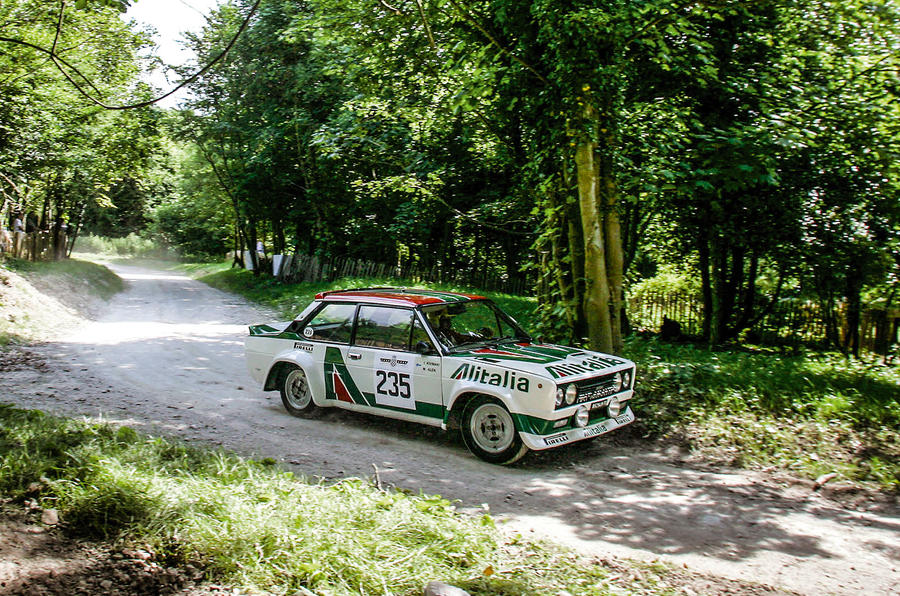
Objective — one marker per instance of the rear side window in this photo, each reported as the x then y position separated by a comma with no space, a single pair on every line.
383,327
333,323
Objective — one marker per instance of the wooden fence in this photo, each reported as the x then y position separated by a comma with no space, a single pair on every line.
312,268
35,246
790,321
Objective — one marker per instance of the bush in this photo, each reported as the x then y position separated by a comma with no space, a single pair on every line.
131,245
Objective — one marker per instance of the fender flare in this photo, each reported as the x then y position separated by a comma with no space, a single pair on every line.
465,392
305,361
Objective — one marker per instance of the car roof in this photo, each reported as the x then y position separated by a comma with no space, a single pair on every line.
391,296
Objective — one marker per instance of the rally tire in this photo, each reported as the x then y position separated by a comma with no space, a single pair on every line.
296,394
489,432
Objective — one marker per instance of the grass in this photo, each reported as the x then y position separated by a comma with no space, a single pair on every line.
96,279
253,525
40,297
808,414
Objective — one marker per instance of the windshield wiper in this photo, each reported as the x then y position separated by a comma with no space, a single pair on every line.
468,344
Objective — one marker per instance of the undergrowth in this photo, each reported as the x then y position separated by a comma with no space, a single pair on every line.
810,413
256,526
131,245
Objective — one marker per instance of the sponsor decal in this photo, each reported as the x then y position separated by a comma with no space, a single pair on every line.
484,376
303,346
593,431
590,364
624,418
393,361
556,439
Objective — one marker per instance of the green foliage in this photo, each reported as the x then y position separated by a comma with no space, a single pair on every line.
129,246
196,233
804,413
667,282
60,155
258,527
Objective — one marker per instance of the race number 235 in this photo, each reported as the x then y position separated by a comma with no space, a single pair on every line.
392,384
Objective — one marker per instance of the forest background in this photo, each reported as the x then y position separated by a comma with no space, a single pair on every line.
742,153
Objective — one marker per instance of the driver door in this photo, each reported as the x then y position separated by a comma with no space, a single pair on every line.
389,373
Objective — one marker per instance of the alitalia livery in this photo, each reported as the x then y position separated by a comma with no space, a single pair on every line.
444,359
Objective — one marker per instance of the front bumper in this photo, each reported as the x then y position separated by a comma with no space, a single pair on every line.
538,442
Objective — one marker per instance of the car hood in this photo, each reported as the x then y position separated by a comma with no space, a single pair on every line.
546,360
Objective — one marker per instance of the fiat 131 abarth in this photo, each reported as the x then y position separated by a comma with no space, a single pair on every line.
444,359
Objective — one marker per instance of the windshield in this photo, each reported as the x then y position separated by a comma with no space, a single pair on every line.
465,324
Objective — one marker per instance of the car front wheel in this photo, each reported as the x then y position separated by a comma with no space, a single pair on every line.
296,394
489,432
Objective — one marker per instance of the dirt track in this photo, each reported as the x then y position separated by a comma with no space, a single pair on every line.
167,356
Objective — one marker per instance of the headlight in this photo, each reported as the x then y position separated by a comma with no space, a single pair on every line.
613,407
571,394
581,417
560,396
617,381
626,379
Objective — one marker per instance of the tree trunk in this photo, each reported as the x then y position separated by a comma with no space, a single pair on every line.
612,238
556,252
705,283
576,260
597,293
719,282
251,248
854,311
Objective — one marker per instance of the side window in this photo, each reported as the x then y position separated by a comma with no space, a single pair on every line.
383,327
333,323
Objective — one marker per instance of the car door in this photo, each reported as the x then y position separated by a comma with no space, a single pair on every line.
329,333
392,377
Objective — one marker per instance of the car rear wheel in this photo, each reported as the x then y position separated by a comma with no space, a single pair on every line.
489,432
295,392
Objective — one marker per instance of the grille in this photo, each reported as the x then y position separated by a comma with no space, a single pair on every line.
596,388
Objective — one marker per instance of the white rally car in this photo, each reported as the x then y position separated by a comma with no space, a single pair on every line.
444,359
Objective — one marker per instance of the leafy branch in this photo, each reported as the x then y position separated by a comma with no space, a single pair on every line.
59,62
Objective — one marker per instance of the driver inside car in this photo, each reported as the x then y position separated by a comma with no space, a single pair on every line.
447,334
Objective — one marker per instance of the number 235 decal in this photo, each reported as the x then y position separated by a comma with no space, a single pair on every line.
394,388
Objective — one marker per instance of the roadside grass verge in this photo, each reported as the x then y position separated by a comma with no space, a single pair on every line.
809,414
289,299
42,298
255,526
96,279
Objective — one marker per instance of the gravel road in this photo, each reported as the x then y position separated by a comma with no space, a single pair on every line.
167,356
